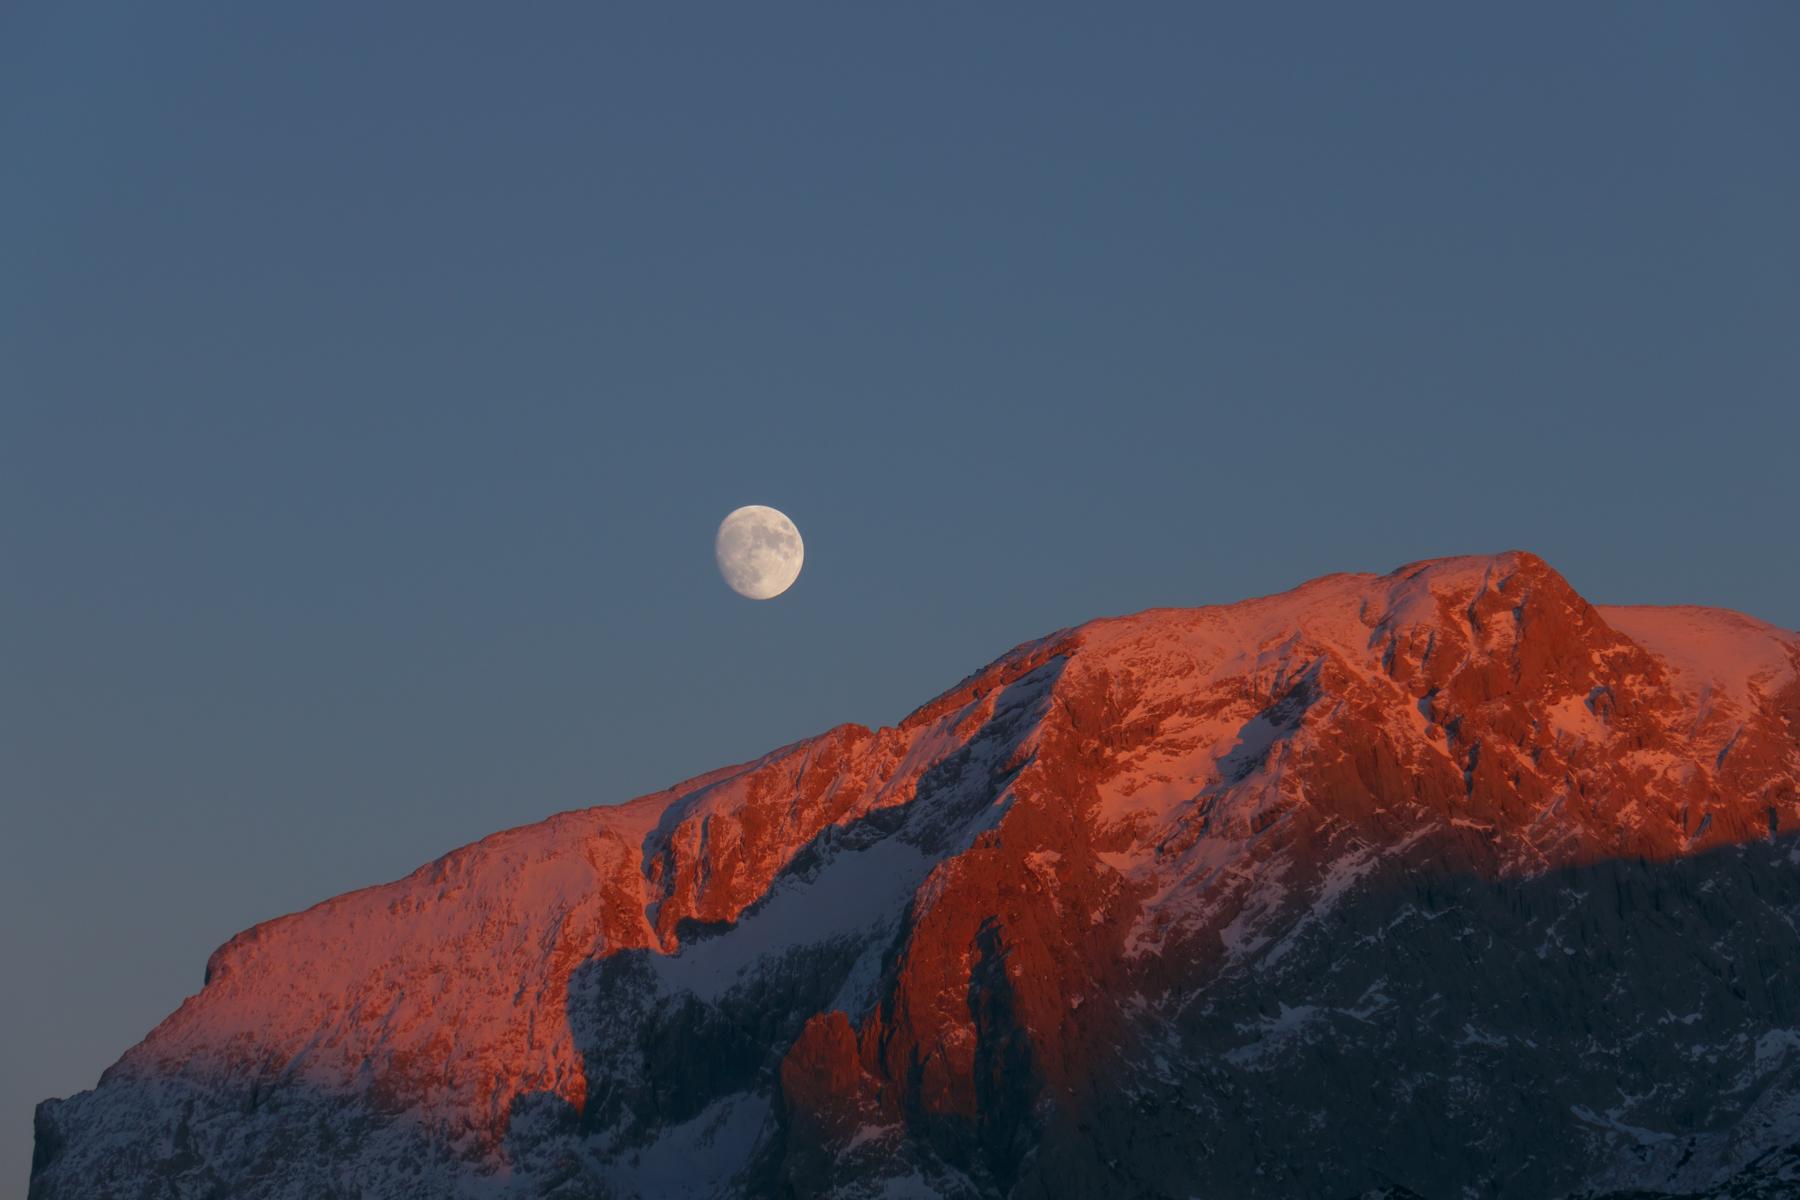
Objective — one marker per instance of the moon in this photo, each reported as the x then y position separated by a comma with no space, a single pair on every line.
759,551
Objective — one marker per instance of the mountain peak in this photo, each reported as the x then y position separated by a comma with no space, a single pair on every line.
1108,875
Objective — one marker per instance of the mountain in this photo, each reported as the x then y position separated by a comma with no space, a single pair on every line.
1439,883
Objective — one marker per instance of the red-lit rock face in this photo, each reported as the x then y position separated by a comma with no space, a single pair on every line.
1126,912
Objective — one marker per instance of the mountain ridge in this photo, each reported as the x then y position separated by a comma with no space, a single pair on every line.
963,953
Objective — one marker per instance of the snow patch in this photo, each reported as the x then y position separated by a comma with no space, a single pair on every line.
1275,1034
1711,648
697,1159
856,890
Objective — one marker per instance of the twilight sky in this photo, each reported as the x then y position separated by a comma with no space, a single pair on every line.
372,380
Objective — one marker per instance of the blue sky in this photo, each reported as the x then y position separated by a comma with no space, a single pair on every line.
372,381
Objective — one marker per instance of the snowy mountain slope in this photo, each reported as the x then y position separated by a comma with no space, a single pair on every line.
1442,880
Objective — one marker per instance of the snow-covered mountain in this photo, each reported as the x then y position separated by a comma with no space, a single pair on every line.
1441,883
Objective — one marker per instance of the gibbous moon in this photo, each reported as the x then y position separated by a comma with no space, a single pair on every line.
759,552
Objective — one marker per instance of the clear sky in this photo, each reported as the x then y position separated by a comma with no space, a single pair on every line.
373,377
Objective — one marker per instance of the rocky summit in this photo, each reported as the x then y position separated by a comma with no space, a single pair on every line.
1443,883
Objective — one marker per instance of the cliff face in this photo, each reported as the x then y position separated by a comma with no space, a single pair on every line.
1443,880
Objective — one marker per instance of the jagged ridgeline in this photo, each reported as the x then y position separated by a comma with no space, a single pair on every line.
1441,883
